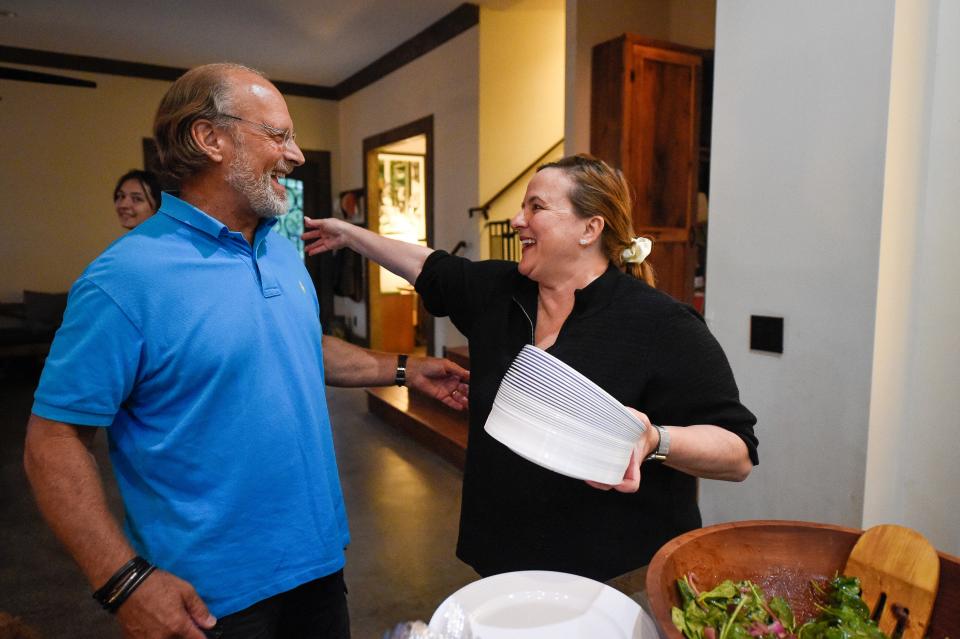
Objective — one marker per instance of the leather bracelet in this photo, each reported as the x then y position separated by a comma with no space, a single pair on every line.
133,585
401,376
122,584
101,593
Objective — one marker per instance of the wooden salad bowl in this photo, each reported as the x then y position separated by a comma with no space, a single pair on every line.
781,557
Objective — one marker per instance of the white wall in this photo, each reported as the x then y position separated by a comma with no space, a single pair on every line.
799,135
62,150
442,83
912,475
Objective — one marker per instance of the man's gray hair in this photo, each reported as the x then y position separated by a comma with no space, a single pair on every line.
202,93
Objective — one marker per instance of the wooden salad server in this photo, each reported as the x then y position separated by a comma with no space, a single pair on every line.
899,573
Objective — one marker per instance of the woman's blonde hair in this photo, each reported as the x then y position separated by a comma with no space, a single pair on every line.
599,189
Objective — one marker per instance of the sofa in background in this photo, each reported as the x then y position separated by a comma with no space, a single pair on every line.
27,328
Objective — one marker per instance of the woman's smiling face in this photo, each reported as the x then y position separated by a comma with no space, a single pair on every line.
133,203
548,227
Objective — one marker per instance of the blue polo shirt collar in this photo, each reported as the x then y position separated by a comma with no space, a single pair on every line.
262,270
190,215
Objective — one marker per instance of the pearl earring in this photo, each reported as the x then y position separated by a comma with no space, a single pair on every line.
583,241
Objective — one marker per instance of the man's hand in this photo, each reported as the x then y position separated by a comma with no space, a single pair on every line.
441,379
164,607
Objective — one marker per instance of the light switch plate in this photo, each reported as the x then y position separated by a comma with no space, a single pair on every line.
766,333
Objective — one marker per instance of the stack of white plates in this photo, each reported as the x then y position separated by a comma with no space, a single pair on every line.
553,416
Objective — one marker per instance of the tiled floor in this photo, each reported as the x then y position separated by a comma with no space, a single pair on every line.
404,504
402,501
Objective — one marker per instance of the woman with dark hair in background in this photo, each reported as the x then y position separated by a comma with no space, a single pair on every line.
136,197
583,292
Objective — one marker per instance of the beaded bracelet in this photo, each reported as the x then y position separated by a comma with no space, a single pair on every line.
122,584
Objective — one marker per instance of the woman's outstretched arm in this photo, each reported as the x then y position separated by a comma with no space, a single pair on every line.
402,258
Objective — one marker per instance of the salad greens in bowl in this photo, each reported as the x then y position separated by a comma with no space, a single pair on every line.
740,610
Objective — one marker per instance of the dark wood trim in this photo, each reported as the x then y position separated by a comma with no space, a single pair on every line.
446,28
644,41
306,90
22,75
423,126
91,64
54,60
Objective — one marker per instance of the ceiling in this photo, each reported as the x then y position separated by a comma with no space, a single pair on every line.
319,42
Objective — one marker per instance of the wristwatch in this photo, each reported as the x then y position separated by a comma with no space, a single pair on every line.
663,445
401,375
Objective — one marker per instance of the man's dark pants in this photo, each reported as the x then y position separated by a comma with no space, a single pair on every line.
315,610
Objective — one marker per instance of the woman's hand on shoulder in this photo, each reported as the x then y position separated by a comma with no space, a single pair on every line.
325,234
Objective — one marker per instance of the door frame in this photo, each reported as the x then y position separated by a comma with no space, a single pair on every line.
316,170
424,127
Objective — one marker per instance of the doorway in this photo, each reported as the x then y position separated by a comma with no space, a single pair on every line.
309,194
398,185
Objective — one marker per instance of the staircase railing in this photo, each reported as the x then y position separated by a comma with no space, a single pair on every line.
484,209
504,241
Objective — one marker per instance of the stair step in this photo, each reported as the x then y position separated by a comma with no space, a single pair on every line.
441,429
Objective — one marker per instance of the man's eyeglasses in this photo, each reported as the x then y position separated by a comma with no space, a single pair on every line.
282,137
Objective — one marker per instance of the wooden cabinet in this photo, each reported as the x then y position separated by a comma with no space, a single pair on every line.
646,119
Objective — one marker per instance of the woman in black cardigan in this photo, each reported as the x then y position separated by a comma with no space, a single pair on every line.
583,293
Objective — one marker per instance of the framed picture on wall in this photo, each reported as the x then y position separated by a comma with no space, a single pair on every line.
353,206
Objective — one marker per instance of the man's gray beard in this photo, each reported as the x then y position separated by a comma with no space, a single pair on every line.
264,200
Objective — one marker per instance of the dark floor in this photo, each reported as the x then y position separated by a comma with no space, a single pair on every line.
402,502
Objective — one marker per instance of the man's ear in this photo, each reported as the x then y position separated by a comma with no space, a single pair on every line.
210,140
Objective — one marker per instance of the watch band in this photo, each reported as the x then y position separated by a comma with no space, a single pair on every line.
663,445
401,376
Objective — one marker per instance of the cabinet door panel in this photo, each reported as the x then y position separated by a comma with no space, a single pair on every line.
645,119
664,145
673,260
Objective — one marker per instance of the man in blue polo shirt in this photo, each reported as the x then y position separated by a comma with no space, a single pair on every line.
195,341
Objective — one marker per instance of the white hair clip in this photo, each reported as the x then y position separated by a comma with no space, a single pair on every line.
638,250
